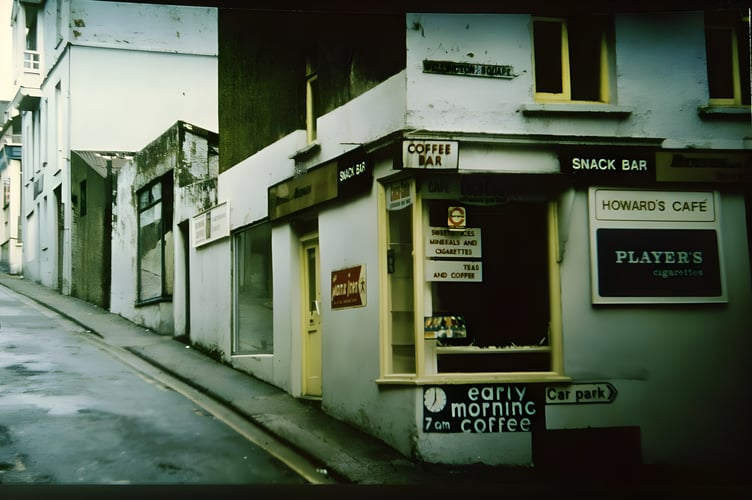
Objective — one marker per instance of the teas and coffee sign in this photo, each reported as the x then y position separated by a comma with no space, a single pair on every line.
655,246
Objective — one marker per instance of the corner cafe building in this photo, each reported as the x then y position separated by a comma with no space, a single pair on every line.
470,303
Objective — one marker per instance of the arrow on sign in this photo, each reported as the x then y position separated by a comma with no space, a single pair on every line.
600,392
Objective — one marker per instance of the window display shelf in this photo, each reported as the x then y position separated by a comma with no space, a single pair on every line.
491,350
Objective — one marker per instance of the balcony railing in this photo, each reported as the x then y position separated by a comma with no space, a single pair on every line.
32,60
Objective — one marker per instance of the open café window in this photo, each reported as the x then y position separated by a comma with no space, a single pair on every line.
496,296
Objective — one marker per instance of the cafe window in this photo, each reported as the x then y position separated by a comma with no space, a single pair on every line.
478,302
155,241
572,59
254,332
727,51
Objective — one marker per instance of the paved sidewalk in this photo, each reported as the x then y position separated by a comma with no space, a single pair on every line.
349,455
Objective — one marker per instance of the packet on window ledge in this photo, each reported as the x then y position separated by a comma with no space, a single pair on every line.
444,327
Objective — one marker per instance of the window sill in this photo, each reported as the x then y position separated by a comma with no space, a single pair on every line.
712,112
491,350
305,152
474,378
155,300
585,109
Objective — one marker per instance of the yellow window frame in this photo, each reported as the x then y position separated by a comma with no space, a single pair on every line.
735,71
566,85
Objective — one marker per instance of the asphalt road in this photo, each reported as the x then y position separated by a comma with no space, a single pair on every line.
72,413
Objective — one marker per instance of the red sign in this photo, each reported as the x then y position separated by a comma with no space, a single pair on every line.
349,287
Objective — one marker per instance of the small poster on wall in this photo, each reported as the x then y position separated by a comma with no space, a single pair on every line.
349,287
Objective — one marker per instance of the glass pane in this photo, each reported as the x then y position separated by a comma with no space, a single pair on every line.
150,253
510,307
401,286
311,256
743,45
254,333
547,45
719,49
585,35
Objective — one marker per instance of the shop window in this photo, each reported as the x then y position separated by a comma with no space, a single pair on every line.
510,307
572,59
155,241
727,50
490,313
253,291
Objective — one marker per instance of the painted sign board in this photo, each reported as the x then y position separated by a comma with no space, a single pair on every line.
485,189
658,263
349,287
612,163
468,69
599,392
648,205
354,173
482,408
293,195
211,225
651,246
347,176
423,154
703,166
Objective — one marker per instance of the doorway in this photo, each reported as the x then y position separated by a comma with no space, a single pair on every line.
311,300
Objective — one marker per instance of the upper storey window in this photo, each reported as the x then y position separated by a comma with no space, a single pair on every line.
727,49
572,58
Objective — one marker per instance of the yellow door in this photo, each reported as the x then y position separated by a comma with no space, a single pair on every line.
312,319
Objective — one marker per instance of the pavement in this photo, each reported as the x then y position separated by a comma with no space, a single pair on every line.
348,455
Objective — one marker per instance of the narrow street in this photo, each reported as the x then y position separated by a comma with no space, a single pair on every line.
71,413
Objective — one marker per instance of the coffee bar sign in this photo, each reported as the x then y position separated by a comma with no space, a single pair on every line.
652,246
432,155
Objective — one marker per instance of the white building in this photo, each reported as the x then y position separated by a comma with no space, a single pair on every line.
157,194
11,246
98,77
514,238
